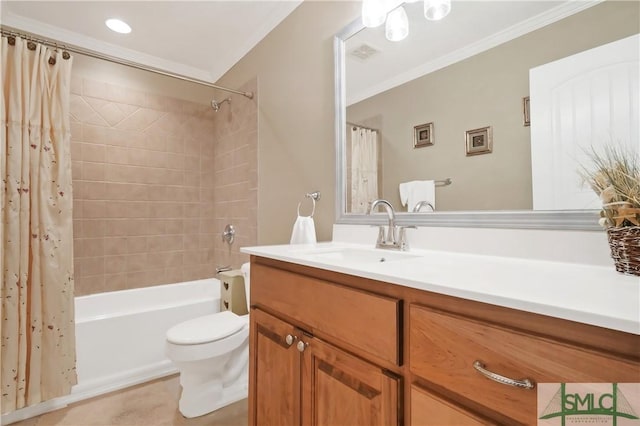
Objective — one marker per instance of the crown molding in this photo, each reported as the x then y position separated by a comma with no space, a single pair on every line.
65,37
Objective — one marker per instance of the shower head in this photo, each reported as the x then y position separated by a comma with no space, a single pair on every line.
216,105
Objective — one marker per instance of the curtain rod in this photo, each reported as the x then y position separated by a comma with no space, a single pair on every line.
8,31
362,127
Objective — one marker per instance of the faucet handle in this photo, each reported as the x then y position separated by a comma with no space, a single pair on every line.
380,241
381,237
402,237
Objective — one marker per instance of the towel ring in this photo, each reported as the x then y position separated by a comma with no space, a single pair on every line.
313,210
315,196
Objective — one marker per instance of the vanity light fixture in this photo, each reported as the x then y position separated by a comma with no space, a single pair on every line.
397,26
118,26
435,10
376,12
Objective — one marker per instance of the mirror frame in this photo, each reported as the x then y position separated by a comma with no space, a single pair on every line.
580,220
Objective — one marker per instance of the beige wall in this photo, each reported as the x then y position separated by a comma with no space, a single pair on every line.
294,68
156,176
485,90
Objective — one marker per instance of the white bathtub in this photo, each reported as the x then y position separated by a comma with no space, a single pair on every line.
120,337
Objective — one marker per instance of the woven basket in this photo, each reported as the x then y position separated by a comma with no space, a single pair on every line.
625,249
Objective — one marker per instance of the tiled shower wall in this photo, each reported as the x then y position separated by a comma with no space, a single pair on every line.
155,180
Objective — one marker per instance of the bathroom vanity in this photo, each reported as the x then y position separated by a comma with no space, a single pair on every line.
339,336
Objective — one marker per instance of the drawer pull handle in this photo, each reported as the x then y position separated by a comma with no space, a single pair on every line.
522,383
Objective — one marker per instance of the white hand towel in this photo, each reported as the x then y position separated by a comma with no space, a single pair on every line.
411,193
304,231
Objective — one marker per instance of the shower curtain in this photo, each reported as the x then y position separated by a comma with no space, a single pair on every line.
36,231
364,168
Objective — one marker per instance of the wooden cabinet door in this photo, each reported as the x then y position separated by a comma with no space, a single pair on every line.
427,409
340,389
274,372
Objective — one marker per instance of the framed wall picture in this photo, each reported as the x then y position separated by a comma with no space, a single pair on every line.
423,135
479,141
525,111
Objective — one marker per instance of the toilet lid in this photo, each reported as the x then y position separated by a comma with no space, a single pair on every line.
205,329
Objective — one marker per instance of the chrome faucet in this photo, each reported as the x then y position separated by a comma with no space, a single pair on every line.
395,236
422,204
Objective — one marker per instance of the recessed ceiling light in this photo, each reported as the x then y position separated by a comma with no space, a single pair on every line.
118,26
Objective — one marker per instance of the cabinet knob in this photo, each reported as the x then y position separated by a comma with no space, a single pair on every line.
226,304
302,346
290,339
226,286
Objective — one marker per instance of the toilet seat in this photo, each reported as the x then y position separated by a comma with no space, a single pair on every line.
205,329
235,334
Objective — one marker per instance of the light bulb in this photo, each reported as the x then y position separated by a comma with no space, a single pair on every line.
434,10
373,13
397,27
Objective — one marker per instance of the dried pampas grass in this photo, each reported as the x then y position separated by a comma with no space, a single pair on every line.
615,177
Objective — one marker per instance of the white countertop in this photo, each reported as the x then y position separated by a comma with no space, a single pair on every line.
594,295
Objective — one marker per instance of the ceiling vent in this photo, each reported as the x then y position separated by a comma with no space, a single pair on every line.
363,52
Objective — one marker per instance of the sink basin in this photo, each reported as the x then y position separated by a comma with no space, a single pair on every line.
356,255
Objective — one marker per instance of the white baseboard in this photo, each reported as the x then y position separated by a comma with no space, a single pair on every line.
93,388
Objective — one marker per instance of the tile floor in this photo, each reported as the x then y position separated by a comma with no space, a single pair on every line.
150,404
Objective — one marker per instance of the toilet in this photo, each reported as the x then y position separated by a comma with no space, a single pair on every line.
212,354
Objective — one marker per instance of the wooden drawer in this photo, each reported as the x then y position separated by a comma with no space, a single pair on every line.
354,318
427,409
444,347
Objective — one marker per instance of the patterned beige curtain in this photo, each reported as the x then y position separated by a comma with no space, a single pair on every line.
364,168
36,233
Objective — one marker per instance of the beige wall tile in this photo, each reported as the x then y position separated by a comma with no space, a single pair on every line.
161,209
76,169
115,264
137,279
117,154
174,226
115,282
140,120
158,243
125,191
115,246
89,285
111,113
137,245
156,277
93,209
174,275
93,247
153,188
165,259
127,209
85,266
93,228
92,190
136,262
94,152
92,171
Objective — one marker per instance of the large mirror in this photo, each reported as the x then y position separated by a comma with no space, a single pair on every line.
449,106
